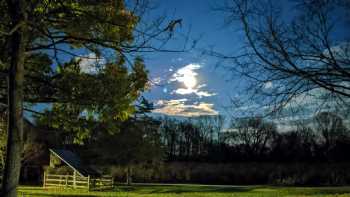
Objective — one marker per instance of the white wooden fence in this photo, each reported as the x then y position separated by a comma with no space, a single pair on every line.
77,182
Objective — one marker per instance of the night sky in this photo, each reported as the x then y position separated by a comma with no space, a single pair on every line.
191,83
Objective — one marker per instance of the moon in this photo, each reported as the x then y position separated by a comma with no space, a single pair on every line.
189,81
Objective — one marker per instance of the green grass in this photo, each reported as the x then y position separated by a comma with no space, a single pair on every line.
191,191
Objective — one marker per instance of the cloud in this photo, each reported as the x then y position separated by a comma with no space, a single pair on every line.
181,74
184,91
173,102
317,99
187,75
179,59
340,51
156,81
178,107
268,85
285,127
90,63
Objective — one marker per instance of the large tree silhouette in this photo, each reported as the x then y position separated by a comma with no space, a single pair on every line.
35,35
290,53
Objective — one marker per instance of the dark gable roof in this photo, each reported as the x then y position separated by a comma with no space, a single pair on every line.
73,161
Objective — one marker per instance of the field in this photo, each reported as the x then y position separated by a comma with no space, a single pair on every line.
191,191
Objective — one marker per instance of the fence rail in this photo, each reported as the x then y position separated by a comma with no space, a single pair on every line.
77,182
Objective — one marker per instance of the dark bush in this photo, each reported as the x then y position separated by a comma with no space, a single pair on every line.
241,173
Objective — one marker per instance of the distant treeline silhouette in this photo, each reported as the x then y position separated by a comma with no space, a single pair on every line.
324,139
252,151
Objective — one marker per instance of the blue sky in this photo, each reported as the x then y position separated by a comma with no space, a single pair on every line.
214,86
191,84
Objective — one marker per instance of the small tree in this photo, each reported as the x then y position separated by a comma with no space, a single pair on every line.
331,130
254,134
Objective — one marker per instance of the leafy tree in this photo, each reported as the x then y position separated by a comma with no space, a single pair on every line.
106,97
138,142
37,38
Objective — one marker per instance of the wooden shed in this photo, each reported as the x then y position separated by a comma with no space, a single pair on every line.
74,174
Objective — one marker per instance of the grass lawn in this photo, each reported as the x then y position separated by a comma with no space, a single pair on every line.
191,191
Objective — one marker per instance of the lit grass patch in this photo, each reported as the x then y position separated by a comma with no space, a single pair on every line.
191,191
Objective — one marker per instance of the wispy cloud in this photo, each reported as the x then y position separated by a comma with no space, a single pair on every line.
179,59
199,93
178,107
156,81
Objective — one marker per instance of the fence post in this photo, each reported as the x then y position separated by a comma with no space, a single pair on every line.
44,180
88,182
74,179
66,180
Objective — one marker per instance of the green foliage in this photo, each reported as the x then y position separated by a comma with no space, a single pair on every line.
137,142
59,30
87,23
86,100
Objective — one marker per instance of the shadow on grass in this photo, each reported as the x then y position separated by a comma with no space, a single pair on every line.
52,195
178,189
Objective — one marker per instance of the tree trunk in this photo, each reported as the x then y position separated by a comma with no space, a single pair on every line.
15,100
129,175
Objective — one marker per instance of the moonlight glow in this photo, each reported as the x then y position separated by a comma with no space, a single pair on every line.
187,75
189,81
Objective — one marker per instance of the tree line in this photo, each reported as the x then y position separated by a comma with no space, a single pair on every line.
325,138
209,149
250,150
